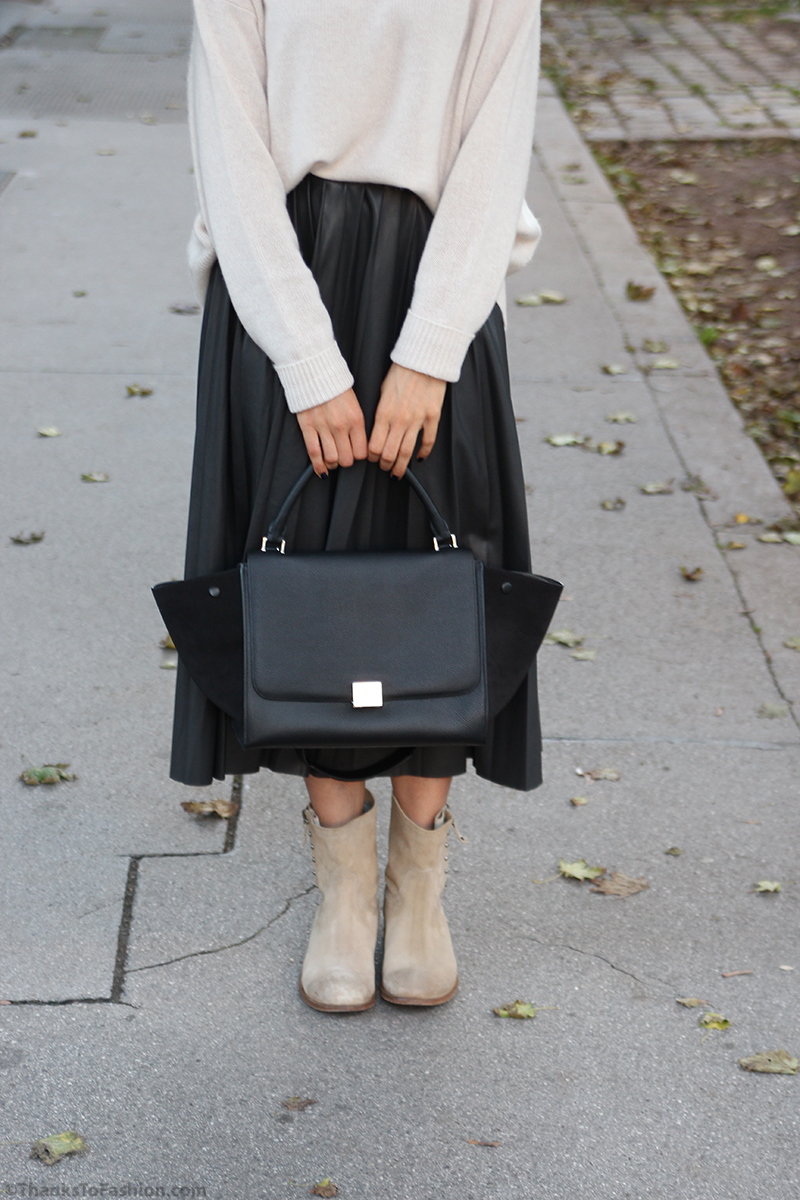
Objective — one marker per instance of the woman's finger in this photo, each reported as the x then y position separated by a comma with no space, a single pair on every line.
314,450
377,441
391,447
358,438
344,451
429,431
329,451
406,450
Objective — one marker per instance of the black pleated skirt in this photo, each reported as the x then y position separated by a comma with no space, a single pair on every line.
363,243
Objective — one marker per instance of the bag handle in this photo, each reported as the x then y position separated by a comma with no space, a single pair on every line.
275,538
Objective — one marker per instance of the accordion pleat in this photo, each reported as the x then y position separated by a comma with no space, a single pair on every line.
363,243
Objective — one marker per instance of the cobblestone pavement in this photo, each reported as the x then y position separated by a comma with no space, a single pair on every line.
675,74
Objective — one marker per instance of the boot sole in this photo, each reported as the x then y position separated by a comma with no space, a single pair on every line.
415,1001
335,1008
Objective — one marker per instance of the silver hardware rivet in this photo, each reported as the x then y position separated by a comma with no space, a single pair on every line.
506,588
213,591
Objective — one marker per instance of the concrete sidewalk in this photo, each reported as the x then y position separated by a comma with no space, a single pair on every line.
151,961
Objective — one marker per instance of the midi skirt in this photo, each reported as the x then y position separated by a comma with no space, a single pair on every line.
363,244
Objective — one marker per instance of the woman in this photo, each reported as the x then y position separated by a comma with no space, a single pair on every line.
361,167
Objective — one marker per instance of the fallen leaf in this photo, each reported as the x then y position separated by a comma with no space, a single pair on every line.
48,774
169,664
563,637
221,808
51,1149
579,870
147,118
166,642
742,519
474,1142
577,801
95,477
774,538
792,485
598,773
613,369
792,643
639,291
79,293
736,545
532,300
773,712
106,153
692,576
324,1188
658,489
766,263
767,885
27,133
691,1001
651,346
550,297
138,389
675,851
621,418
29,539
771,1062
617,884
583,655
694,483
731,974
792,538
609,447
564,439
664,364
712,1020
783,967
615,505
297,1104
520,1010
791,231
185,310
48,431
687,178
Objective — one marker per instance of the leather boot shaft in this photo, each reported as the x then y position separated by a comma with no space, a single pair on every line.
338,972
419,964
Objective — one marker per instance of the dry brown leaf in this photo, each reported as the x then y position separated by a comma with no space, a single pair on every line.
52,1149
693,574
638,291
28,539
730,974
617,884
166,642
691,1001
578,801
475,1142
297,1103
771,1062
615,505
220,808
324,1188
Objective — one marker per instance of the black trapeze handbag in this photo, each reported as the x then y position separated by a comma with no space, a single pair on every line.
359,649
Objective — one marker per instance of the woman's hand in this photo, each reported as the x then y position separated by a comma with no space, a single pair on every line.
334,432
409,402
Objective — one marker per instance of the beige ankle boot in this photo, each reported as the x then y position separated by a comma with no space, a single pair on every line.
339,967
419,965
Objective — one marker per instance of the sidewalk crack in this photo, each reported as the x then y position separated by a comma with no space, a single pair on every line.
231,945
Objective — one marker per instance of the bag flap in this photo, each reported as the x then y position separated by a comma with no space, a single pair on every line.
519,608
412,622
204,619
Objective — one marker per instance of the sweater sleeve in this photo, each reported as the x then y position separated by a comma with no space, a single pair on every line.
473,237
243,204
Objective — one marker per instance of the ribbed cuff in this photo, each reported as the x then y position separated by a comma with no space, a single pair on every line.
432,349
315,380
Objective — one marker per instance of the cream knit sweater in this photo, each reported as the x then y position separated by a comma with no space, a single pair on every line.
436,96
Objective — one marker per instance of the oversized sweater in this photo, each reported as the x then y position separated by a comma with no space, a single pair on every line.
436,96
